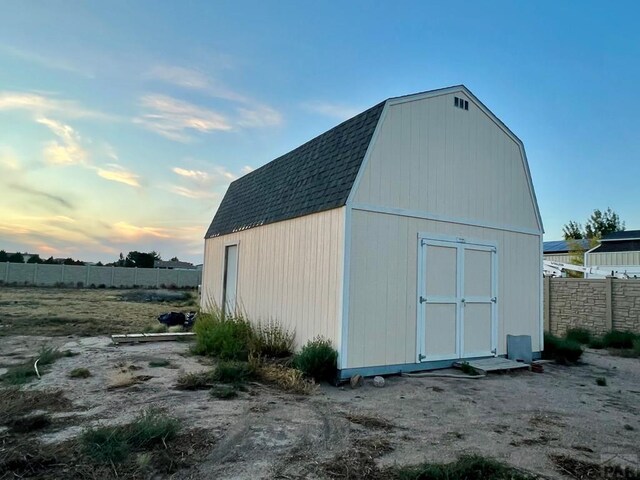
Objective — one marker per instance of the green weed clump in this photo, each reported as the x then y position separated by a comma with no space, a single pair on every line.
233,372
561,350
26,372
271,339
115,444
580,335
223,392
79,373
317,359
195,381
616,339
466,467
223,336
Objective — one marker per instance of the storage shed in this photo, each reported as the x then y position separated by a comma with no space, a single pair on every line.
409,235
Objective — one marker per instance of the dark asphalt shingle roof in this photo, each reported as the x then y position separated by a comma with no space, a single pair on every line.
314,177
619,246
625,235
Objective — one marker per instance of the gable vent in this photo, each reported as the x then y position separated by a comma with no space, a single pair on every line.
461,103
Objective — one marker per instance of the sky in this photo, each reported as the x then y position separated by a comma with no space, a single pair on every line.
122,123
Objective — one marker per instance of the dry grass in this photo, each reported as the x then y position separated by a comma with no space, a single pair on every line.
86,312
17,404
575,468
286,378
124,378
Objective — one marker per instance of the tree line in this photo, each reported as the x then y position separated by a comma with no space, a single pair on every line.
133,259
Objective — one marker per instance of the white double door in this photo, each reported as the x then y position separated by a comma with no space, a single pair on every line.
457,299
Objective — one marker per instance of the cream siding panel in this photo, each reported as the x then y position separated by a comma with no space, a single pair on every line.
290,271
562,257
613,259
430,156
383,285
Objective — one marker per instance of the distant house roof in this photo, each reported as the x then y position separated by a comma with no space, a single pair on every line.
172,264
562,246
625,235
627,241
314,177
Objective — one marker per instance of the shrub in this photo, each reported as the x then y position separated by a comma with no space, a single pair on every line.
233,372
580,335
615,339
225,337
561,350
317,359
597,343
79,373
271,339
601,382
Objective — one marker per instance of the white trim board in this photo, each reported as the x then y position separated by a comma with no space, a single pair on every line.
441,218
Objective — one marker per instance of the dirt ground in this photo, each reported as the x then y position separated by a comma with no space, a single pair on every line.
64,311
519,418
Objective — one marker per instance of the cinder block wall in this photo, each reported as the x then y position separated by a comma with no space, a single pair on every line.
597,305
626,305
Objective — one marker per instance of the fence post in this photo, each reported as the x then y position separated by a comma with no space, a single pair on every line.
35,274
135,276
6,273
113,273
157,277
62,274
547,304
609,300
86,283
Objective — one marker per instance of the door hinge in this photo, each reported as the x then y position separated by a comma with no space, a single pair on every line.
421,357
423,299
494,299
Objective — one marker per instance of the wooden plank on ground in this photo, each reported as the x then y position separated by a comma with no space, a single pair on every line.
150,337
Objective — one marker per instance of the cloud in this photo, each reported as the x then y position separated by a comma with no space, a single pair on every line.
42,105
194,80
259,116
200,183
117,173
173,118
45,61
246,169
333,110
42,195
128,232
9,161
68,150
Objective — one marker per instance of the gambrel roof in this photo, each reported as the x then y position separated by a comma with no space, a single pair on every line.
320,174
314,177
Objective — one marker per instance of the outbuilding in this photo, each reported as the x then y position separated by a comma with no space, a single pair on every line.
408,235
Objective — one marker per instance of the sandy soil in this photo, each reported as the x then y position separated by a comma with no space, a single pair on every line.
519,418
